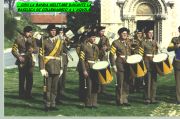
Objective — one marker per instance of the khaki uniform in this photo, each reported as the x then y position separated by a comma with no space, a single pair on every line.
20,48
103,54
121,49
176,63
52,66
81,91
150,48
64,63
88,56
138,48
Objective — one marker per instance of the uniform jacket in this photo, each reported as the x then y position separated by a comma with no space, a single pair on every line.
173,47
53,66
120,48
20,48
88,52
150,47
104,41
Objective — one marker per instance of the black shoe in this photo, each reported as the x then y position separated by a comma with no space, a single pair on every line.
118,104
58,102
29,97
46,109
126,104
95,107
54,108
147,102
21,97
154,102
87,106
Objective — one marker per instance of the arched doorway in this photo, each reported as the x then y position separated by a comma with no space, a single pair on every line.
140,14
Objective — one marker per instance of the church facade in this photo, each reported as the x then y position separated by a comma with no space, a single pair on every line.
161,15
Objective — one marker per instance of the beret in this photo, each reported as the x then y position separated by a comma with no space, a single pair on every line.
122,30
27,29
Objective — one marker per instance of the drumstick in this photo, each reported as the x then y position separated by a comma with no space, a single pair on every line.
85,85
116,84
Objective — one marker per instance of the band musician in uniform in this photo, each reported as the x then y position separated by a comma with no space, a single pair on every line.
49,62
150,47
121,48
23,49
104,47
88,56
175,46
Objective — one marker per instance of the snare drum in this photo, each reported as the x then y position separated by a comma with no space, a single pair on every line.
162,64
102,69
137,66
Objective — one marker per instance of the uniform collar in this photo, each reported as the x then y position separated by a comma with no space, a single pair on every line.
90,44
149,40
52,39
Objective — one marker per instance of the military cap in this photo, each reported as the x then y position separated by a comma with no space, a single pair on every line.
99,28
51,26
60,29
27,29
123,29
91,33
147,30
139,30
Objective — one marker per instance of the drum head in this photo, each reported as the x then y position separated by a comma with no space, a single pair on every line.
133,59
100,65
160,57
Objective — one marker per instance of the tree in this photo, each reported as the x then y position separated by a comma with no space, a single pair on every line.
76,20
10,4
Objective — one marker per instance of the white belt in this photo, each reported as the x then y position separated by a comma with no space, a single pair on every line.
51,57
90,61
149,55
122,56
23,54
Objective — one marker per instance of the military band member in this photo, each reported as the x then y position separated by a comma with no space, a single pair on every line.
150,49
49,62
104,47
88,55
121,49
23,49
175,46
138,48
64,63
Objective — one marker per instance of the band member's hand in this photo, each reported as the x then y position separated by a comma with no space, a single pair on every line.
21,59
44,72
115,69
60,73
104,47
30,50
85,74
178,45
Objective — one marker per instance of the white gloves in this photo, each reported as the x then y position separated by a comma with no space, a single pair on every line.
44,72
115,68
37,35
60,73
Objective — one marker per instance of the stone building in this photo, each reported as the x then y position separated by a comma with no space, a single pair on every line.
161,15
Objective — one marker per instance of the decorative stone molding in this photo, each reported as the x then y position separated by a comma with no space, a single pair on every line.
160,17
120,3
171,3
130,6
